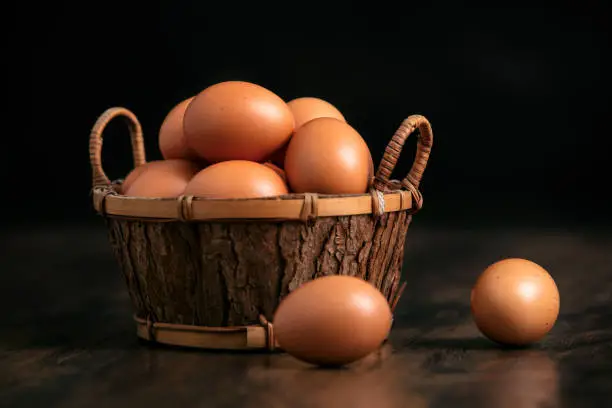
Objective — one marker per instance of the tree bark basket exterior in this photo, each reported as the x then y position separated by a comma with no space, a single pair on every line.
227,274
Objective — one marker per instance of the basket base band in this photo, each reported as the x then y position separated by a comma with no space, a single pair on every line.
253,337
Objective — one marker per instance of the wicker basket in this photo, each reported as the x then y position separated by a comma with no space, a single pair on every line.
209,273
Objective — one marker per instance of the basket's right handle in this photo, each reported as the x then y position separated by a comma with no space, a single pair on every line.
394,148
95,142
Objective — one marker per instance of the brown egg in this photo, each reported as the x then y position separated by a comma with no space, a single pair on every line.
371,171
277,169
132,175
308,108
161,179
237,179
515,302
327,156
304,110
172,142
237,120
332,320
278,157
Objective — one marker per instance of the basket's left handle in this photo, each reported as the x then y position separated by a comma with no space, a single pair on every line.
95,142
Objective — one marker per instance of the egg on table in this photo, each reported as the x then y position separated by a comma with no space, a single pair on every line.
328,156
515,302
237,179
160,179
332,320
237,120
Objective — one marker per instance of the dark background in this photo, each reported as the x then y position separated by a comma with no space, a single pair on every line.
519,98
519,101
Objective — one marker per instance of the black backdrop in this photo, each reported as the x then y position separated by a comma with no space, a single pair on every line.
519,98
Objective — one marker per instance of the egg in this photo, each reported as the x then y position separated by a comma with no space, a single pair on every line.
160,179
371,171
515,302
278,157
332,320
236,179
133,175
172,142
308,108
304,110
237,120
277,169
327,156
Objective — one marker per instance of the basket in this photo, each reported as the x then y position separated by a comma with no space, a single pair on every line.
209,273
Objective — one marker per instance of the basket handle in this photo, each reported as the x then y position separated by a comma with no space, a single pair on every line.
95,142
394,148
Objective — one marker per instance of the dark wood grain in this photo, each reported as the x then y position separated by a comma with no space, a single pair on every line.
67,338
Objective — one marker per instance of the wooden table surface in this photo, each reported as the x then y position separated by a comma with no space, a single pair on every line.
67,338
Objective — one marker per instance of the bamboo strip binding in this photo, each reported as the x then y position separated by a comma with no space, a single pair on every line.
386,196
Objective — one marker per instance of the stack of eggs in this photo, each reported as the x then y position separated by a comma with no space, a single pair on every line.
240,140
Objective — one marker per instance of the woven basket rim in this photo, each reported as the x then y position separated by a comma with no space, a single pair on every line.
108,201
396,188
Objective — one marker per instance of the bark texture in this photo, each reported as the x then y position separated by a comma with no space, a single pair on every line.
227,273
